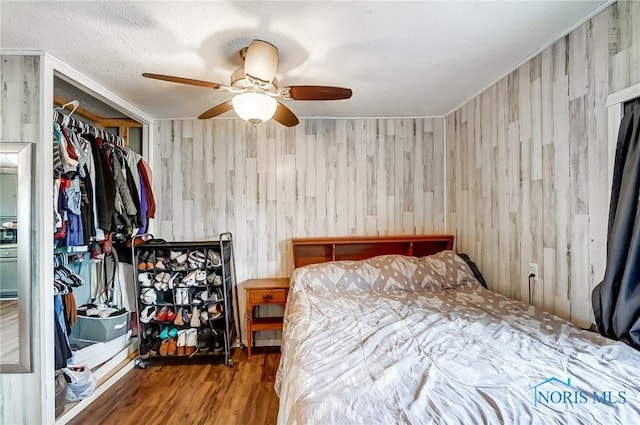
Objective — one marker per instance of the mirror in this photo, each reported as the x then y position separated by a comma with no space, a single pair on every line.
15,258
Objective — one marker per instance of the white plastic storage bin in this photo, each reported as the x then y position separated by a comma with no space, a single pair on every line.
100,329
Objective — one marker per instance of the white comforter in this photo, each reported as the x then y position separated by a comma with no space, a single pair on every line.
400,340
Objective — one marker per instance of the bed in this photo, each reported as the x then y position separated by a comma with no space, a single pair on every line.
397,339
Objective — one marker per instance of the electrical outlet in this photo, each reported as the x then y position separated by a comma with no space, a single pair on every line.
533,269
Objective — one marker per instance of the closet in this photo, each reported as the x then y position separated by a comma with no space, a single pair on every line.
29,81
103,195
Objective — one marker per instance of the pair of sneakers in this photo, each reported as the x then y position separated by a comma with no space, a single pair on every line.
145,280
196,259
211,340
195,277
183,317
187,342
214,279
148,314
145,261
215,311
213,259
182,296
148,296
200,297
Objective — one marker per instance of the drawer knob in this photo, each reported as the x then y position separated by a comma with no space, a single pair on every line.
267,297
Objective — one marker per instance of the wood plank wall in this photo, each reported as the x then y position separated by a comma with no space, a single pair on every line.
20,122
528,177
324,177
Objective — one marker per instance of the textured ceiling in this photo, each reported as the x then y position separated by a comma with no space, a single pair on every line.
400,58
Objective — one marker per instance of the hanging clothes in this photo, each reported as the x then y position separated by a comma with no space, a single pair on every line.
146,178
110,190
91,181
104,184
61,339
616,300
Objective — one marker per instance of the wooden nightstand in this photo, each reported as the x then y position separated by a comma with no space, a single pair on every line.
260,292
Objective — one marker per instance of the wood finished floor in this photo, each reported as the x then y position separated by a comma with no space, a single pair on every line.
192,393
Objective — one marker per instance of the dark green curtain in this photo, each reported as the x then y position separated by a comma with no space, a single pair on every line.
616,300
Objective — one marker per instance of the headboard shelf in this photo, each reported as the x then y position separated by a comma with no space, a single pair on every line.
318,250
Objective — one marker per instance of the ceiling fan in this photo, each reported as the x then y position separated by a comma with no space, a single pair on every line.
256,89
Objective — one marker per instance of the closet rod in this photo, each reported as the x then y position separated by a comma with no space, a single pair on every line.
99,121
85,128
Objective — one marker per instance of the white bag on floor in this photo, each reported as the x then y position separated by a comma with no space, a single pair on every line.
82,382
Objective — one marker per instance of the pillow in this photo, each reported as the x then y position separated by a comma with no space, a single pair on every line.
382,273
453,269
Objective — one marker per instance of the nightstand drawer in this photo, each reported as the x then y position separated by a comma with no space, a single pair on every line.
265,296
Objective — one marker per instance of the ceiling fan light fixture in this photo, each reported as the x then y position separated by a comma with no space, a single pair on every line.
261,62
254,107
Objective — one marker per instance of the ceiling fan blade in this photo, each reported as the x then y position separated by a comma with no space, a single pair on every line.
216,110
284,116
261,61
319,93
181,80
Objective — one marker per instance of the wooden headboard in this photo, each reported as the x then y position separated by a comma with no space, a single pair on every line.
319,250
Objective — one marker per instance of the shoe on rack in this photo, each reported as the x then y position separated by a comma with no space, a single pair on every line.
158,286
144,260
160,264
171,315
194,265
178,319
213,259
151,333
172,348
144,279
145,347
215,311
174,254
204,316
214,279
204,339
179,267
192,341
196,256
186,316
174,280
218,342
148,314
182,296
148,296
181,259
217,295
164,348
189,279
195,318
173,333
200,297
162,314
201,277
182,342
155,348
165,333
